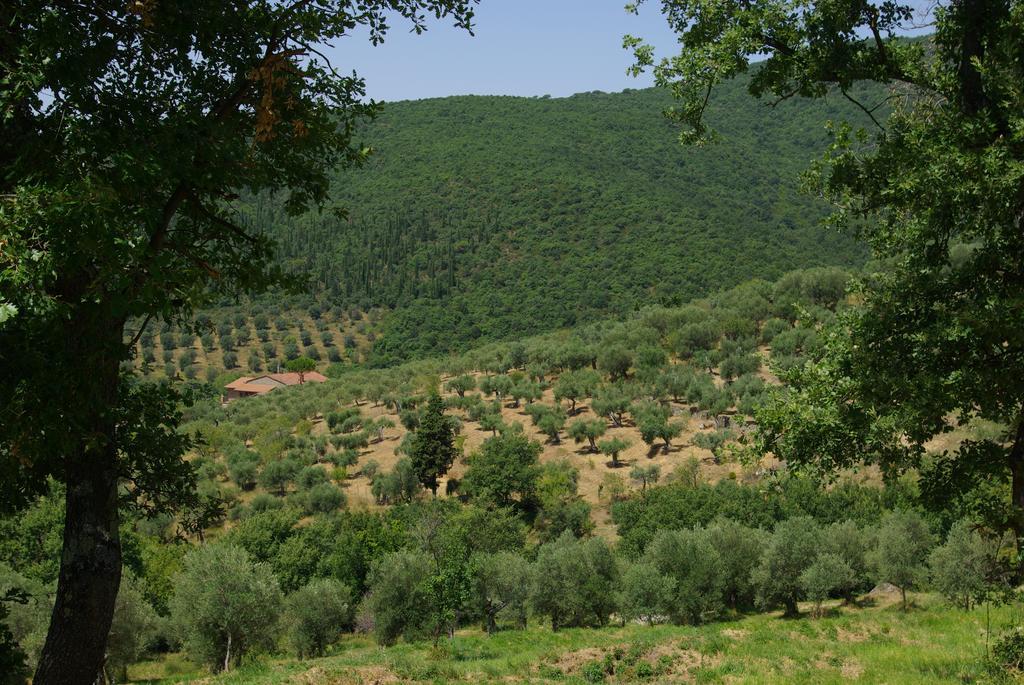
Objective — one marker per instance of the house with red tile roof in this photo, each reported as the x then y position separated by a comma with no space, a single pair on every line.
250,386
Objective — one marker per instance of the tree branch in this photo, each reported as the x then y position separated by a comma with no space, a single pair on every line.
862,108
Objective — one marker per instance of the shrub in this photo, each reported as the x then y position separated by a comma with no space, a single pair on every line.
501,586
224,605
243,467
1008,650
902,550
828,574
574,582
645,593
695,567
324,498
311,476
133,625
398,598
793,547
740,548
317,614
277,475
965,568
264,502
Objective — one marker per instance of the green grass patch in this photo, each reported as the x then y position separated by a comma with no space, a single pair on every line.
930,644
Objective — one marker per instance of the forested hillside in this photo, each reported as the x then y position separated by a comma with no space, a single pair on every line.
482,218
590,475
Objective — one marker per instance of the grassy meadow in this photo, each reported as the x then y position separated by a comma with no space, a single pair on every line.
874,643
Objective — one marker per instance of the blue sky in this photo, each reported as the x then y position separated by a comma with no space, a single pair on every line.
521,47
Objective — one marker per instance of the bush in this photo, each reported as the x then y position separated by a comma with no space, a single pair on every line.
324,498
793,547
501,586
317,614
902,551
264,502
1008,650
243,468
696,569
398,598
740,548
645,593
965,568
311,476
224,605
277,475
574,582
828,574
133,625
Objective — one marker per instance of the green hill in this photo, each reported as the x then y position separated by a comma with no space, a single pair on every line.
485,218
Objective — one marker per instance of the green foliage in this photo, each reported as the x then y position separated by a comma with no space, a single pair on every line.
739,549
613,447
965,569
561,507
646,593
827,576
26,606
1008,650
574,582
324,499
12,658
901,550
645,475
432,450
574,386
426,249
501,588
224,605
504,471
279,474
316,615
693,564
399,598
588,430
793,548
681,505
310,477
615,361
400,485
133,626
931,182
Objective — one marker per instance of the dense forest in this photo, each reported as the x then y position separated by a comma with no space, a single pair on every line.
484,218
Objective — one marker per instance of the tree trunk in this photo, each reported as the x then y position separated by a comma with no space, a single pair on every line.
90,572
1016,461
492,625
90,565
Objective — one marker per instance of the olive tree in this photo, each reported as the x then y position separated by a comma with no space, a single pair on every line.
588,430
695,567
965,569
316,615
793,547
646,594
829,574
224,605
901,552
501,587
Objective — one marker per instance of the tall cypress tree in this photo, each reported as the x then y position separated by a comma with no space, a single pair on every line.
433,445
